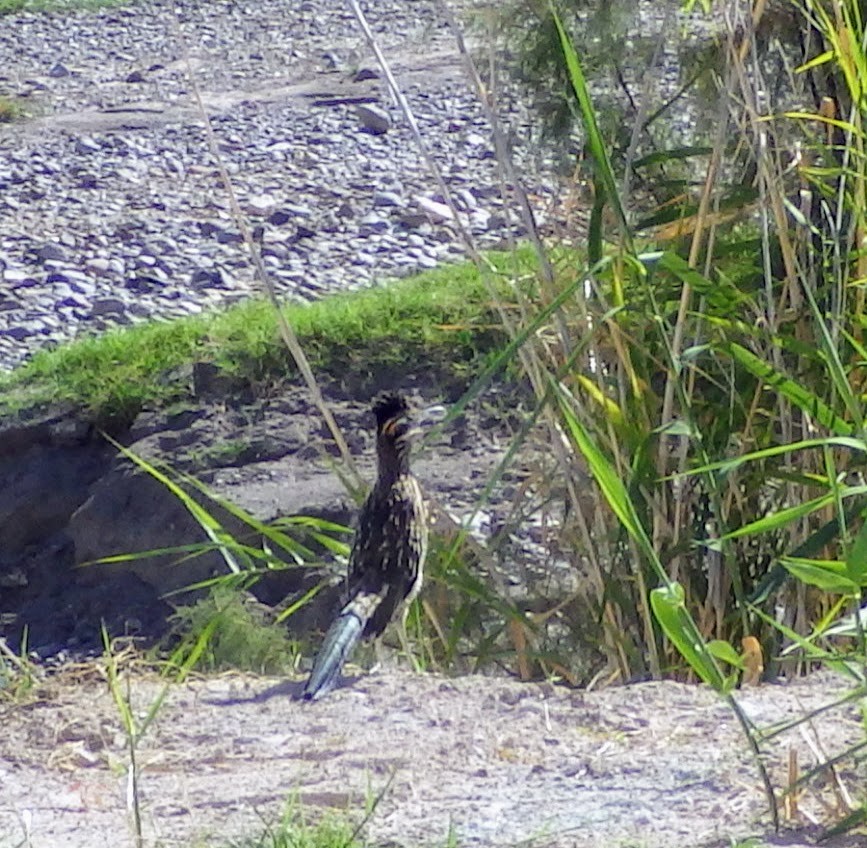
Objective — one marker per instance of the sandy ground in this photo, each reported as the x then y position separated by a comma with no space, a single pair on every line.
653,765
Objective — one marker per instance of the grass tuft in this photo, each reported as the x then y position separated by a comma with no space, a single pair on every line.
442,318
294,831
12,7
233,633
10,109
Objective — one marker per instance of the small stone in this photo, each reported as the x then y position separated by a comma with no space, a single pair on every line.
17,333
480,219
73,301
279,217
372,223
364,74
280,147
207,278
413,220
18,277
108,306
386,198
142,283
59,70
466,200
51,253
275,250
209,228
298,210
97,266
259,204
86,181
85,144
373,119
437,211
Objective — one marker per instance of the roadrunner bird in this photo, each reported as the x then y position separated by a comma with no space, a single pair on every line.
385,565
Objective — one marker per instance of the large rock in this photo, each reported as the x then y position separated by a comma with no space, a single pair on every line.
67,500
46,468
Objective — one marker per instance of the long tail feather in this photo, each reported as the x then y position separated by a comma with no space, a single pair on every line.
341,639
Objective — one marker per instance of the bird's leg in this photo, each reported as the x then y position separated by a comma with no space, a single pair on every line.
404,643
377,656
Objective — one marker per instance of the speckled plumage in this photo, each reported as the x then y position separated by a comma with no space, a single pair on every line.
387,559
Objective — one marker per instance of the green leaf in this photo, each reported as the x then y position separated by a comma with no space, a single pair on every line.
669,607
729,465
606,184
856,561
212,528
783,516
609,481
828,575
725,651
720,295
797,394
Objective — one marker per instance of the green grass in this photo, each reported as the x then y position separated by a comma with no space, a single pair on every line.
232,633
440,321
294,831
298,828
11,7
10,109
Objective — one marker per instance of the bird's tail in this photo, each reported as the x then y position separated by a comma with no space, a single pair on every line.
341,639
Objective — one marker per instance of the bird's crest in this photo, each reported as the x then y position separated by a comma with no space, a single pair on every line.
388,409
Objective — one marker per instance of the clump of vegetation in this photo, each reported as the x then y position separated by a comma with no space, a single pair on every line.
10,110
18,675
228,629
11,7
294,830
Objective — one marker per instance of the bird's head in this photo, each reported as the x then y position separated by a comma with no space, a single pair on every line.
396,427
394,423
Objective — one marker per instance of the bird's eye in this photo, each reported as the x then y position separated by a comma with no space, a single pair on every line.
395,428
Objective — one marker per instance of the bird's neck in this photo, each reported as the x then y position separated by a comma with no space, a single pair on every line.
393,462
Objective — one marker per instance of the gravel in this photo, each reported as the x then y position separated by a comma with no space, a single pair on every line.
111,205
112,209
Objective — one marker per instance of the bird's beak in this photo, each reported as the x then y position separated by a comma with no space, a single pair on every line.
431,415
427,418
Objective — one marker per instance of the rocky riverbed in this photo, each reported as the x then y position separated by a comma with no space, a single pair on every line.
111,205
